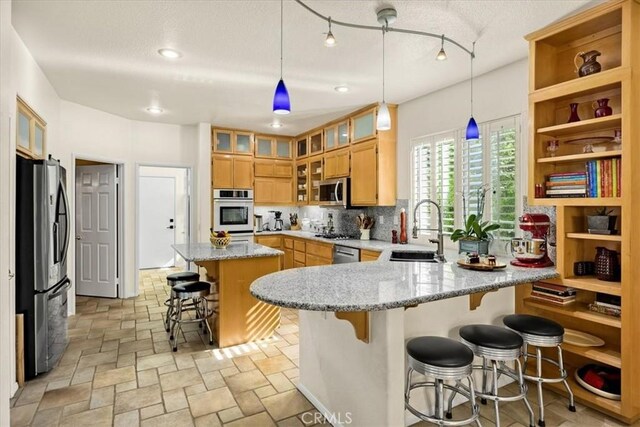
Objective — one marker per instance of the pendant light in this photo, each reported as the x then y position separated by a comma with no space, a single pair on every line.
442,55
281,102
472,126
330,41
384,118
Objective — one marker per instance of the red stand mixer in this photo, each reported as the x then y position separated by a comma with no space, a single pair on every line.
532,252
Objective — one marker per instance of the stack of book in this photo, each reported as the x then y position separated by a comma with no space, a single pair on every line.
554,294
604,177
606,304
567,184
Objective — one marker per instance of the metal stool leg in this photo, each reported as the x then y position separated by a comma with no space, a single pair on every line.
563,372
439,409
452,395
472,399
407,388
523,388
167,320
205,318
174,315
541,422
177,321
494,366
485,373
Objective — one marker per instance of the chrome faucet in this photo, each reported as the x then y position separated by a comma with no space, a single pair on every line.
440,240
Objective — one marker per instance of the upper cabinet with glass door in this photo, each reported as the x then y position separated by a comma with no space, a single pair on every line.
315,143
273,147
302,147
31,135
232,142
363,126
264,146
283,148
336,136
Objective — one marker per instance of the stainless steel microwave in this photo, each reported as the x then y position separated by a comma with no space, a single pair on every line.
335,193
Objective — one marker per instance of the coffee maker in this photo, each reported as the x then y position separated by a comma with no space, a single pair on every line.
279,222
532,252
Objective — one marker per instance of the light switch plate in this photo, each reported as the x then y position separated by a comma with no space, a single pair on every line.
395,220
381,220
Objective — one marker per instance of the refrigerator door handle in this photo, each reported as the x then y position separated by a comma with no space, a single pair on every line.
66,285
56,243
67,237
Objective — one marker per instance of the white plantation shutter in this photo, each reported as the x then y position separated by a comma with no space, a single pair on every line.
446,166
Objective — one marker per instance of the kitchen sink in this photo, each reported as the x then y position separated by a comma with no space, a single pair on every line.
413,256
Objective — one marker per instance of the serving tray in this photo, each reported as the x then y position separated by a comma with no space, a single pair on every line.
480,266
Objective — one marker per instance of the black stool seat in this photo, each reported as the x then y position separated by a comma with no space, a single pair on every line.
440,352
533,325
183,276
491,336
192,287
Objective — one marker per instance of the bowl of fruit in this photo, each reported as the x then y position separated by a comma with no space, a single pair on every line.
220,239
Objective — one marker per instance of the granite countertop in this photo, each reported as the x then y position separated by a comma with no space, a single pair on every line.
207,252
384,284
372,245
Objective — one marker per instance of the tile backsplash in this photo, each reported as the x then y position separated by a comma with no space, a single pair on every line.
387,218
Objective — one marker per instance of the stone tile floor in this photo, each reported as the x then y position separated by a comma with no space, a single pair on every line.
119,370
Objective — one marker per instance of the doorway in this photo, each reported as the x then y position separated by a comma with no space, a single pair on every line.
98,224
163,214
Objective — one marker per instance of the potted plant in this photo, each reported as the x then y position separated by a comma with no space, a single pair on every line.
475,236
602,222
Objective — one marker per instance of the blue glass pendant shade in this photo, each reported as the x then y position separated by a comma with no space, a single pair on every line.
281,102
472,129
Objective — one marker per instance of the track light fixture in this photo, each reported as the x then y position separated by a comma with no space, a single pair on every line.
442,55
330,41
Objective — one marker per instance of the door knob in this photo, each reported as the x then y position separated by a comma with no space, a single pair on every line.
78,237
11,275
170,227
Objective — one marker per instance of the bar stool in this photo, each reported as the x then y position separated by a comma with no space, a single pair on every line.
197,292
445,360
497,345
540,332
172,280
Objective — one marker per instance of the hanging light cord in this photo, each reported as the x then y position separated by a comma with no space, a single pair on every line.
472,56
281,37
383,31
394,29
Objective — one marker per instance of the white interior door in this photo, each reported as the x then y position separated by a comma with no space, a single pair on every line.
96,248
156,231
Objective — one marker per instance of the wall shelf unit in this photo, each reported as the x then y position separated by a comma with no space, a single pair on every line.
613,29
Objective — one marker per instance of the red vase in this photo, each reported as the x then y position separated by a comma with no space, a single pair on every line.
574,113
603,109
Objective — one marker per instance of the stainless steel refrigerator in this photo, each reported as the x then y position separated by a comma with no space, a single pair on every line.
42,242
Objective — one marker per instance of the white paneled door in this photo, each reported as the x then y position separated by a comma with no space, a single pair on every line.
157,213
96,248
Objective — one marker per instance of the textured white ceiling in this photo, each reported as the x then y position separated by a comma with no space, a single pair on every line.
104,54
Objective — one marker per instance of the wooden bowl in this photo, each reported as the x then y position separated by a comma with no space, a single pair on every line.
220,242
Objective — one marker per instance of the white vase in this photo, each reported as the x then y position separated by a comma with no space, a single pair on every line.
365,234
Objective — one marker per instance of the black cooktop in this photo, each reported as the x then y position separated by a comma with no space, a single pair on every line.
336,236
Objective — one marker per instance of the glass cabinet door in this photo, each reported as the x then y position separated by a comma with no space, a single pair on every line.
264,147
222,141
330,138
301,147
364,126
243,143
343,134
301,183
315,143
283,148
23,131
38,140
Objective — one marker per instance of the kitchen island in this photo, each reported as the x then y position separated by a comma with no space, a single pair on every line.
360,376
241,318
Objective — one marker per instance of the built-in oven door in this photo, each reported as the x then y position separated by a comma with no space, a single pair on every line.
51,337
233,216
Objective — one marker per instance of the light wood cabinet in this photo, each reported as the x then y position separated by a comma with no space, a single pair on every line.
363,126
274,242
273,191
273,168
242,172
364,174
31,132
264,146
302,182
313,260
315,176
336,136
300,252
336,164
315,143
232,142
321,250
302,147
288,259
272,147
368,255
231,171
283,148
611,28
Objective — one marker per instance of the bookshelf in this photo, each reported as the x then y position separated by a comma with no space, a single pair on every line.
612,28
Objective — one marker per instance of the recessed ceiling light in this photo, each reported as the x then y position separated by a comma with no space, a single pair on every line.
276,125
341,89
155,110
169,53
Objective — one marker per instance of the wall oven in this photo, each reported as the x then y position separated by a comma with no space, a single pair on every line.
335,193
233,211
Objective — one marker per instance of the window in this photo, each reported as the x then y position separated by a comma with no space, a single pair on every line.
455,173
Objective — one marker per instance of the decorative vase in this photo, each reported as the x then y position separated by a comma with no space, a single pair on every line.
574,113
602,223
295,227
480,247
607,267
590,65
365,234
603,109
